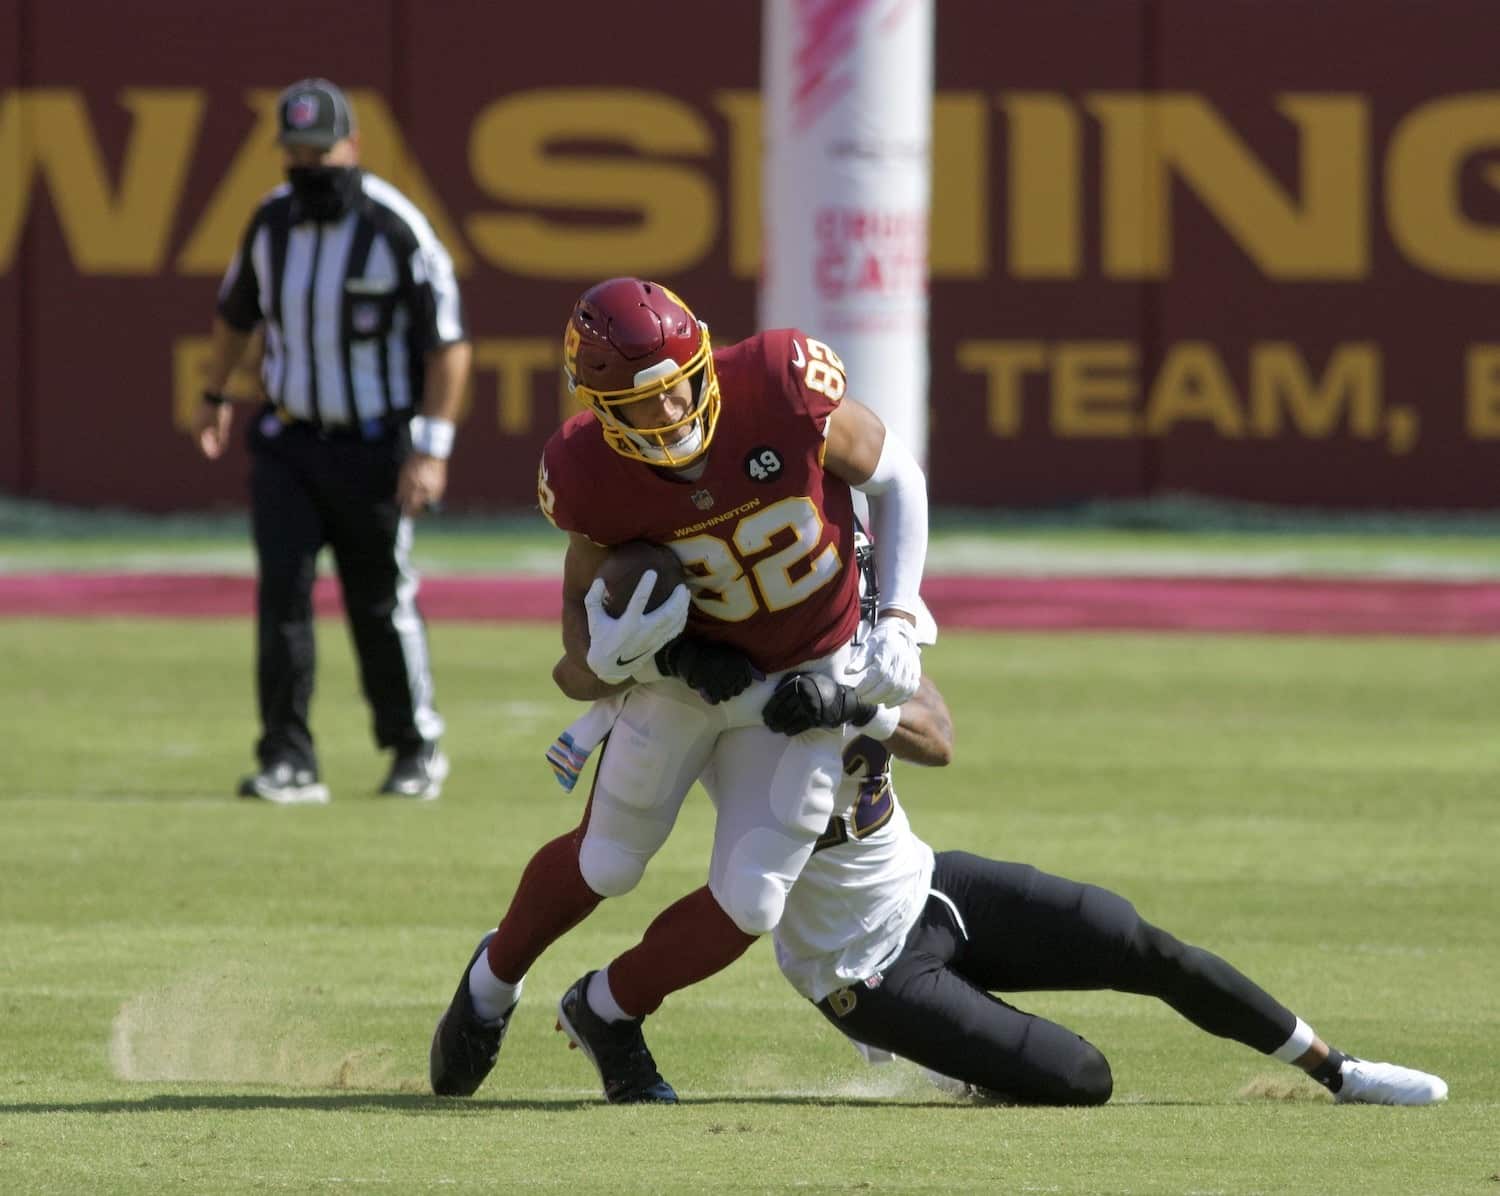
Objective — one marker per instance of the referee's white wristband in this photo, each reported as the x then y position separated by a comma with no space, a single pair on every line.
432,437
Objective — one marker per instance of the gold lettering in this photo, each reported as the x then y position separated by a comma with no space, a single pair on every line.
714,521
1281,386
592,180
383,149
1193,385
1004,365
513,157
568,404
109,229
741,110
257,167
516,362
1148,139
190,358
1424,169
1482,392
959,223
1044,236
1403,424
255,170
1134,214
1093,388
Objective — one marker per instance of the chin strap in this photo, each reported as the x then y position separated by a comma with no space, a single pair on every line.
687,447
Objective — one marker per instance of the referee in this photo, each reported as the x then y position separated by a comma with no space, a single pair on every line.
365,360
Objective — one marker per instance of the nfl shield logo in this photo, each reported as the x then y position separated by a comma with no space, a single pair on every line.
302,111
365,318
702,499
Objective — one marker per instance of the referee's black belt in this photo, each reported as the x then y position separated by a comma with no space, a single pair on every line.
380,428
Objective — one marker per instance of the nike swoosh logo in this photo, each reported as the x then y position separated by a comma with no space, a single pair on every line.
797,359
625,664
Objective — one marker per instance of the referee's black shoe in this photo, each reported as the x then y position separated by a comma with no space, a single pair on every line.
417,773
284,784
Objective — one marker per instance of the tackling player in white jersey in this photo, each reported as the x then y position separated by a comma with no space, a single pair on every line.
902,948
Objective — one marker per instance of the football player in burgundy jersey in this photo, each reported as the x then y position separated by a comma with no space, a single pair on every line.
900,947
742,460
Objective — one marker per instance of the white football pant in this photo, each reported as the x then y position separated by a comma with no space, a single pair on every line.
773,794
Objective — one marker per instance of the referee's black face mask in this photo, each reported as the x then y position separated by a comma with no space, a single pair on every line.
324,192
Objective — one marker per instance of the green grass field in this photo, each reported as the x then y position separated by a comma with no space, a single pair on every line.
206,995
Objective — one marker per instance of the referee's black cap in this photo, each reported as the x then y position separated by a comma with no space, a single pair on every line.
314,112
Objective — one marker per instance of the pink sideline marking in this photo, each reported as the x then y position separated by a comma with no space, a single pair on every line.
1193,604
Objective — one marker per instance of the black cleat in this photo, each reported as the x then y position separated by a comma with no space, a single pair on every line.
419,773
286,785
616,1049
464,1048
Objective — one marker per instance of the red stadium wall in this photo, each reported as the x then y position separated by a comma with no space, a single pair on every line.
13,432
1241,249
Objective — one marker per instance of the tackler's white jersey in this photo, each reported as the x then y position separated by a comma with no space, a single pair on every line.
849,912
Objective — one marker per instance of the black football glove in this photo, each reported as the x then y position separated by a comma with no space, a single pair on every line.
717,671
806,700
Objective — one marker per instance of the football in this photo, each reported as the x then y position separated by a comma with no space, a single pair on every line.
622,571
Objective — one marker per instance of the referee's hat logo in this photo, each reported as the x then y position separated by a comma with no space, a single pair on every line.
302,112
314,112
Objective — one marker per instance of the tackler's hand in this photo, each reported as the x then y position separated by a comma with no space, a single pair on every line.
717,671
618,648
803,701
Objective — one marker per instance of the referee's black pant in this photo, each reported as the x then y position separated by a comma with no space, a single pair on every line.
309,489
1010,927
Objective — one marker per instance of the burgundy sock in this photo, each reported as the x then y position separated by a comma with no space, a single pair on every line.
551,899
689,941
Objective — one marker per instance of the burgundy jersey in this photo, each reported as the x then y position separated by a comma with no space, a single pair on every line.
766,535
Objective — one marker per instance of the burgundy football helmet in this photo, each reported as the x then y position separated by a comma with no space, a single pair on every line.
629,340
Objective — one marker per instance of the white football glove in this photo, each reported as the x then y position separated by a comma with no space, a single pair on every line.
893,663
619,648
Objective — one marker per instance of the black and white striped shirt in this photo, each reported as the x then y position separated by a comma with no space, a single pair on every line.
351,307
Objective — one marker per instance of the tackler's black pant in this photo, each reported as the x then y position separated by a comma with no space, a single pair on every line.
1008,927
309,490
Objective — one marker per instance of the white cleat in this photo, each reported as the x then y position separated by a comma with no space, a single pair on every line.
284,784
1368,1083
